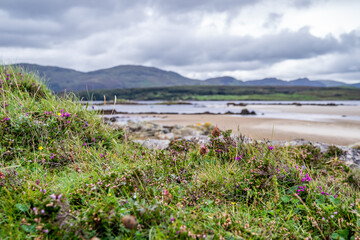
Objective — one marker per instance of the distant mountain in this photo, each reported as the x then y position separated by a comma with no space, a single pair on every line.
305,82
58,79
266,82
357,85
131,76
332,83
301,82
126,76
226,81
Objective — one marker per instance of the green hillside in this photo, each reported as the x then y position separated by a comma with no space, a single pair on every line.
64,174
225,93
126,76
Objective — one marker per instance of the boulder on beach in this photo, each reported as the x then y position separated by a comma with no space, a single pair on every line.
245,111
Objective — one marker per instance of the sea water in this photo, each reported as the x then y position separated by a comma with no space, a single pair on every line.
222,107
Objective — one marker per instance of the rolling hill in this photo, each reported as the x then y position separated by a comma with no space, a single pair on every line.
131,76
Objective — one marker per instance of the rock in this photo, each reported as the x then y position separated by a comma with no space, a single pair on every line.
166,136
154,143
245,111
167,129
129,222
350,156
229,112
236,104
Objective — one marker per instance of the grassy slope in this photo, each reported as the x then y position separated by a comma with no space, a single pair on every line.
227,93
65,175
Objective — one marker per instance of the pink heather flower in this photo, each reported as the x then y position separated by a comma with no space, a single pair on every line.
271,147
203,149
238,158
56,197
37,182
46,230
84,144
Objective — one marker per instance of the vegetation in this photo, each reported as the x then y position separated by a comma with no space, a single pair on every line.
226,93
66,175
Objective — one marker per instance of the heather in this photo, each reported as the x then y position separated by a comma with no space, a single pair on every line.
64,174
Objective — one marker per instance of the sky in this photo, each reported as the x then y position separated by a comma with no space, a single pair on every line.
245,39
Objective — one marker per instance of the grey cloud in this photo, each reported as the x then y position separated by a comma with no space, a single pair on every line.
179,50
200,5
302,3
273,20
11,40
55,8
76,21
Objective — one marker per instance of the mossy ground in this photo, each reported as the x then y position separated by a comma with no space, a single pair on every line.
66,175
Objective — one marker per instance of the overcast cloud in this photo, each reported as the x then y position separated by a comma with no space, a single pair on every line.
246,39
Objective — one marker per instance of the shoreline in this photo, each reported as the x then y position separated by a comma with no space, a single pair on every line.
338,132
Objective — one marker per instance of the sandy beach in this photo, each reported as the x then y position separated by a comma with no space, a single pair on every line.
338,130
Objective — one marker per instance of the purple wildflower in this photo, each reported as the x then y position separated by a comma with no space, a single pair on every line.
56,197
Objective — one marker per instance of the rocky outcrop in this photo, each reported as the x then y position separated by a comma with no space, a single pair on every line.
351,156
236,104
158,136
145,130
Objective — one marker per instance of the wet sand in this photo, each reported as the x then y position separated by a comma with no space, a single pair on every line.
331,131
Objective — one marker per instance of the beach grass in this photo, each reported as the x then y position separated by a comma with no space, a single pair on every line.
64,174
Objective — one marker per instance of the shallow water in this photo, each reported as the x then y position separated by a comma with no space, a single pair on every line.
220,107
